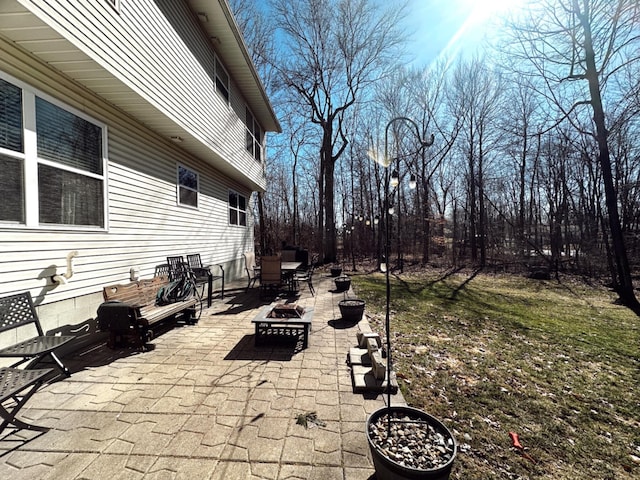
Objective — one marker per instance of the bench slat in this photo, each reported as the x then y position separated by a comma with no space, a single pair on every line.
156,313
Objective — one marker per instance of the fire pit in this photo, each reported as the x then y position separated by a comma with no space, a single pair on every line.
283,320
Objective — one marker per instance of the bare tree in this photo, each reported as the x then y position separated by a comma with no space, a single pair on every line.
335,50
475,98
520,122
580,48
258,31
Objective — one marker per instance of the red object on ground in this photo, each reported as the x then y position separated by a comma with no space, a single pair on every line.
516,443
515,440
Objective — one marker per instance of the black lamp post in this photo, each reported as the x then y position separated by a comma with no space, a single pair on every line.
392,181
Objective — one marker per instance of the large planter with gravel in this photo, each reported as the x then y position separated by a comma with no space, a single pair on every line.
351,309
419,446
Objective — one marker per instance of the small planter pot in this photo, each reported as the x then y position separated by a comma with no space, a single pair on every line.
336,271
351,310
431,458
343,283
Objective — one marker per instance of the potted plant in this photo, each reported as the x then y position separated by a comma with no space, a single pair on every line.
410,444
343,283
336,270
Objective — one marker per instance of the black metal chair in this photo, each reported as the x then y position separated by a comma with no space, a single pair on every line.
17,311
306,276
178,268
204,275
161,270
13,385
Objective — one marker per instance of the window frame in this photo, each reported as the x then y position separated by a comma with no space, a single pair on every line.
237,210
179,185
250,133
31,162
223,86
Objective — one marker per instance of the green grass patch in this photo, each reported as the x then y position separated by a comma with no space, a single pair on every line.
556,362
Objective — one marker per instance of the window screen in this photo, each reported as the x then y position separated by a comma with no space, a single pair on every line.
68,139
68,198
12,205
11,117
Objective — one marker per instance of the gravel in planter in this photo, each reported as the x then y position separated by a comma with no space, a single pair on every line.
412,443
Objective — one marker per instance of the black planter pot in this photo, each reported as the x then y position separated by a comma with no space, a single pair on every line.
352,309
343,283
388,469
336,271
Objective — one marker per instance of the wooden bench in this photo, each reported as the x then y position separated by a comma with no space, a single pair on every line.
130,310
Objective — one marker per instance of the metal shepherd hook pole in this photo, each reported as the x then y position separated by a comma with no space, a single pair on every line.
387,247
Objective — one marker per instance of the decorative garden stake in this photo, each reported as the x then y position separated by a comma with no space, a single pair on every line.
405,443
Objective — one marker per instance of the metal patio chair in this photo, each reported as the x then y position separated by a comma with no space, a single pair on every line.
203,274
18,311
253,271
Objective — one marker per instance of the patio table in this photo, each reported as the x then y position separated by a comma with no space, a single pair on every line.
288,270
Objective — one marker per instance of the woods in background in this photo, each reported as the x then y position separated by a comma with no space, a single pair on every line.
536,159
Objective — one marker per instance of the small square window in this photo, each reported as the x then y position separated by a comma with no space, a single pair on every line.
237,209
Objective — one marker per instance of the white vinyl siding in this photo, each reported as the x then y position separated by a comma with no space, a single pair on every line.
145,223
178,80
115,4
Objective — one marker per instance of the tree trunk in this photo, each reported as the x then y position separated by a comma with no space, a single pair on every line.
321,204
263,234
482,227
329,227
623,283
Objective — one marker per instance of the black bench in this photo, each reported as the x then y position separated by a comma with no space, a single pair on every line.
17,311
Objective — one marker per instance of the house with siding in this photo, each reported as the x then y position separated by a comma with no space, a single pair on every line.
130,130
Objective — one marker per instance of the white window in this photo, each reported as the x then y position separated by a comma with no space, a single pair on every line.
52,162
187,187
222,80
237,209
253,136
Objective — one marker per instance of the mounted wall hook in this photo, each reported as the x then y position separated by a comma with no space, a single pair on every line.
62,279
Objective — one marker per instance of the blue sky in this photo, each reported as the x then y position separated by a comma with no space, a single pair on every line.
453,26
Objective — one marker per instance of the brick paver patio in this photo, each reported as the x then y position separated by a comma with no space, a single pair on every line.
205,403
